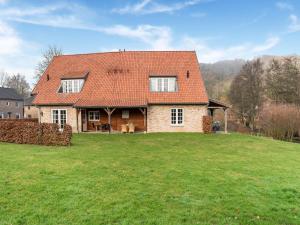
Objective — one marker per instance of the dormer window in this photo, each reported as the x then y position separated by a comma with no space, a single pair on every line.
71,86
163,84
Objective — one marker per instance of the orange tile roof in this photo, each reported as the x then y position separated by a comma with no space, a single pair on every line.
121,79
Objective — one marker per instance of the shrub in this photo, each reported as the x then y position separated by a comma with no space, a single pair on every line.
280,121
32,132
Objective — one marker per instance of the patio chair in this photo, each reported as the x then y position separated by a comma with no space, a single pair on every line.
124,128
131,127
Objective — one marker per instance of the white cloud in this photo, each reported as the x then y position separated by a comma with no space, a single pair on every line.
208,54
158,37
16,55
10,42
151,7
284,6
2,2
295,23
270,43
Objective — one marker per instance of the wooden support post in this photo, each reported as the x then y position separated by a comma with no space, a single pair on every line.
109,112
77,121
225,120
144,112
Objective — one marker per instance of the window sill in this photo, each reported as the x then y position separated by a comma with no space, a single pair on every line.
177,125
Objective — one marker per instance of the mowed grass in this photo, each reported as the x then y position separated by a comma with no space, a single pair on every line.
151,179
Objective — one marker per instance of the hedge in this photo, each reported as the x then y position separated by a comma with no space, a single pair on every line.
31,132
207,124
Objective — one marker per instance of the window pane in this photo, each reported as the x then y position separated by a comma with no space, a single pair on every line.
163,84
166,84
97,115
63,118
159,84
153,84
179,116
125,114
55,116
173,116
172,84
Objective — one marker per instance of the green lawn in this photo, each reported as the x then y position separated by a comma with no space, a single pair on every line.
151,179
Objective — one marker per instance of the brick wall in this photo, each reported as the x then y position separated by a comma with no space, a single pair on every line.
12,108
46,116
159,118
30,112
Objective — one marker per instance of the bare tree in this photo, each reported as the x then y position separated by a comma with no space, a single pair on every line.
246,92
19,83
46,59
3,77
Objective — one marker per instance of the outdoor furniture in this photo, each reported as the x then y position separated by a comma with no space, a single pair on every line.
124,128
105,127
131,127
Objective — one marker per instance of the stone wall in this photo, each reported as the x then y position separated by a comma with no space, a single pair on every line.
30,112
159,118
11,107
46,116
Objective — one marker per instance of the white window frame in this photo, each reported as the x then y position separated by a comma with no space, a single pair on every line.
7,103
162,84
59,117
94,116
2,115
18,114
125,114
176,117
71,85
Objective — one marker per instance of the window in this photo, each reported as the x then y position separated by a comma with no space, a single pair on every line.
71,86
28,107
29,116
18,116
125,114
59,116
1,115
17,104
163,84
176,116
94,115
7,103
9,115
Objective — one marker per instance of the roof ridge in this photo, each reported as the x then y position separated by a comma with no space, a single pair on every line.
111,52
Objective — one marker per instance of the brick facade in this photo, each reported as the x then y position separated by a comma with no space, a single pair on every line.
46,116
159,118
30,111
11,108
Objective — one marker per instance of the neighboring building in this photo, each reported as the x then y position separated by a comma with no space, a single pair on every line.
157,91
30,110
11,104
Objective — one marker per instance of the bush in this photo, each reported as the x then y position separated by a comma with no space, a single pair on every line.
31,132
280,121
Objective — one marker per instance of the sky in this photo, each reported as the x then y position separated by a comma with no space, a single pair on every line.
215,29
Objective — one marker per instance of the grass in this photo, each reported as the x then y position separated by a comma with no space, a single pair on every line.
151,179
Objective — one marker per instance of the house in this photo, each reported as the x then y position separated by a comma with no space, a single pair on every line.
30,110
11,104
157,91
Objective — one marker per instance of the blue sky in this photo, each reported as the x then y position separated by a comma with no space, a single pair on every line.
215,29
